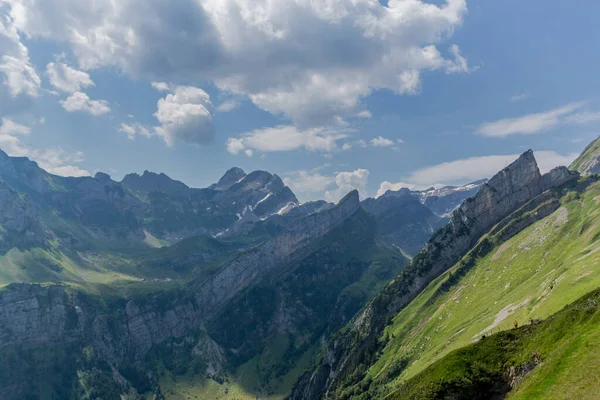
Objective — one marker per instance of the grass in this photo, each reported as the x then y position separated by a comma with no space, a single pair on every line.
533,275
588,154
561,355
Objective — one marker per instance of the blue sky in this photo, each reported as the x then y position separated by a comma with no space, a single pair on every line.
330,95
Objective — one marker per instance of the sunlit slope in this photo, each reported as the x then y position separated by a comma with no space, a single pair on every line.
556,359
532,275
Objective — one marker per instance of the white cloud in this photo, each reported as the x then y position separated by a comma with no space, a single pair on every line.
160,86
348,181
395,186
459,63
532,124
312,61
380,141
471,169
184,114
583,117
308,182
131,130
315,185
67,79
79,101
53,160
286,138
228,105
9,127
20,78
518,97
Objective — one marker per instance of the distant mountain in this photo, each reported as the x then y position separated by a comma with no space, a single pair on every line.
407,218
444,200
127,212
402,219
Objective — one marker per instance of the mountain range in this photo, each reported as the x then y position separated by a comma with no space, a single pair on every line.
147,288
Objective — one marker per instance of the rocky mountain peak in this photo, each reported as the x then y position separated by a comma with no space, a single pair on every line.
101,176
151,181
351,200
232,176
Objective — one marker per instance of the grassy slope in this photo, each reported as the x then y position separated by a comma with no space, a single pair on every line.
104,271
589,153
534,274
567,359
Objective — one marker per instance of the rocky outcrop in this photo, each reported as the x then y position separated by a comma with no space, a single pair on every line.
506,192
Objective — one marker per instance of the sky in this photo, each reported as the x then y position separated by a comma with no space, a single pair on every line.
331,95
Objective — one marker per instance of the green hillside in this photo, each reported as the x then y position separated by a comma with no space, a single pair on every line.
586,162
554,359
532,275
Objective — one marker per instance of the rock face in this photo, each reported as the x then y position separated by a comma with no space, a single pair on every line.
508,190
291,244
34,316
20,224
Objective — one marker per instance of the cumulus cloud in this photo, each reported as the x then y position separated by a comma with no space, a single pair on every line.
53,160
532,124
308,182
315,185
286,138
348,181
311,61
185,114
471,169
67,79
19,79
80,102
